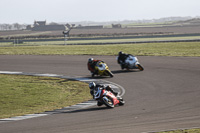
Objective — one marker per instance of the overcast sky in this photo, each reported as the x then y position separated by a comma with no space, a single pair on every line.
26,11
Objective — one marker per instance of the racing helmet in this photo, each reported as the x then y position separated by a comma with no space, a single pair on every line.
90,60
92,85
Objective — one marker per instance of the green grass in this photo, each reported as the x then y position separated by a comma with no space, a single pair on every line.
21,94
25,94
145,49
183,131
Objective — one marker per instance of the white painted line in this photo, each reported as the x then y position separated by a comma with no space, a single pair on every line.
8,72
28,116
86,79
65,109
47,75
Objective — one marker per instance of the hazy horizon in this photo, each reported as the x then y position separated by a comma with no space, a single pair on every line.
27,11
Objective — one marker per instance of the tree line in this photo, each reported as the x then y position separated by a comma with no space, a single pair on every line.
14,26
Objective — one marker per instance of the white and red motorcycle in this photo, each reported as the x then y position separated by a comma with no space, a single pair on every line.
131,62
107,97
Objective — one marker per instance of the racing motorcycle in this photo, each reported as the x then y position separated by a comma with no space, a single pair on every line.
103,69
131,62
107,97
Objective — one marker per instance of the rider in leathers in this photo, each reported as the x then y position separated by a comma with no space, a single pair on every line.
93,85
121,59
91,66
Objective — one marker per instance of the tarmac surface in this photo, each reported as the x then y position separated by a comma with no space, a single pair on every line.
165,96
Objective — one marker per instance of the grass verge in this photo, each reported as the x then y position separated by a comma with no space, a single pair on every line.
145,49
183,131
21,94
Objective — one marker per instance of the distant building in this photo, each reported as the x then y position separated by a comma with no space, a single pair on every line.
89,27
42,26
29,27
116,26
39,23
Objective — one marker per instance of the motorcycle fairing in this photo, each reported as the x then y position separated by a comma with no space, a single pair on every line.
132,62
101,66
109,94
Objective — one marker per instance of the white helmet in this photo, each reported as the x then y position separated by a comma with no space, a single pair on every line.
92,85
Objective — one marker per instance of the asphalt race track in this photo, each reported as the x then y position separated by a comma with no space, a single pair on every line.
164,96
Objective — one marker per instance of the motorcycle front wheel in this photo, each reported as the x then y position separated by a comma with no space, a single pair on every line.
110,73
121,102
140,67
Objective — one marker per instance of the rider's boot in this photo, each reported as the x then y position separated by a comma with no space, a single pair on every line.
92,74
122,66
95,72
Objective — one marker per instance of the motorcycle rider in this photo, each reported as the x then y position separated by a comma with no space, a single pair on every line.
93,85
121,59
91,66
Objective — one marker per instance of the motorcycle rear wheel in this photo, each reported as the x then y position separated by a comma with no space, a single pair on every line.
109,103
